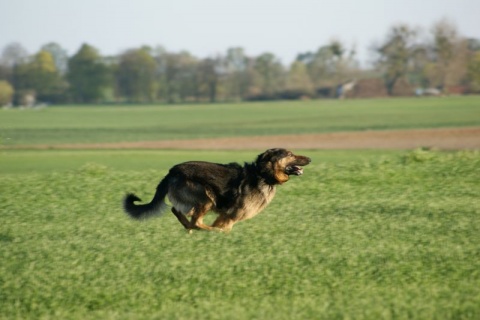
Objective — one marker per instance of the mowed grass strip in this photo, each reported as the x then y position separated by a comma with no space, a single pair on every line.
94,124
393,237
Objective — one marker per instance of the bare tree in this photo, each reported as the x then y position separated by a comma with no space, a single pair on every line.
331,65
13,54
395,54
449,55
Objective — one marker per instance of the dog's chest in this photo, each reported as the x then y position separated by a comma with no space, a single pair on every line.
255,200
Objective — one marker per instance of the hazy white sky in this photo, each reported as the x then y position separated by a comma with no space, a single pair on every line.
208,27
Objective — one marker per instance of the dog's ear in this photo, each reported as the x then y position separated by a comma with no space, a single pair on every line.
263,157
263,161
271,155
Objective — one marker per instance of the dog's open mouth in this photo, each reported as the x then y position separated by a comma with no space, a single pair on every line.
293,169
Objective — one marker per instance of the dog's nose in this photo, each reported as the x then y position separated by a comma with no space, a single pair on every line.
308,159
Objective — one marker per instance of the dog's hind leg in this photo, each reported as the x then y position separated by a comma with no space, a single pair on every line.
196,221
197,217
181,217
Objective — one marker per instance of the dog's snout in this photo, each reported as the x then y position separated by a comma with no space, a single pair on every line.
304,159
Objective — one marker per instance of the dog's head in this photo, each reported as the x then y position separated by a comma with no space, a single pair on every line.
278,164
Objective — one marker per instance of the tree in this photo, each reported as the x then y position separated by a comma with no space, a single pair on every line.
298,81
136,75
271,74
394,55
180,77
450,55
236,65
419,65
88,75
210,77
188,79
344,66
39,76
60,56
6,93
160,55
330,65
13,54
474,72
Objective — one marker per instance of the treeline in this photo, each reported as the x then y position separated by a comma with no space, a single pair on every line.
445,61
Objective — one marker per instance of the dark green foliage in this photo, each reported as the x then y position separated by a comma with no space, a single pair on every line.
40,77
135,76
88,75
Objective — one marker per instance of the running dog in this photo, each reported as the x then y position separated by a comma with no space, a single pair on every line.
232,191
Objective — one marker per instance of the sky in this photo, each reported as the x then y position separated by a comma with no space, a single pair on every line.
209,27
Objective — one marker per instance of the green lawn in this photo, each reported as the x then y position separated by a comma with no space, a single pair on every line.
362,235
90,124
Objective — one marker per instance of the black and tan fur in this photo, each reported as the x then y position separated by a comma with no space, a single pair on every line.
232,191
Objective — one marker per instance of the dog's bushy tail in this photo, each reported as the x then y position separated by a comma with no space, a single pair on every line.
156,207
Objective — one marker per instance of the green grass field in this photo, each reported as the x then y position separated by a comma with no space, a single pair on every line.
361,235
55,125
395,236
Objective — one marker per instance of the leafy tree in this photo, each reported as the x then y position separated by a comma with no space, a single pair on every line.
395,53
60,56
271,74
298,80
5,72
180,77
209,77
160,55
88,75
6,92
136,75
188,78
170,85
40,76
236,66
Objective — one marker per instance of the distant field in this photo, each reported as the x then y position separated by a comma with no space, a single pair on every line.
95,124
362,235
